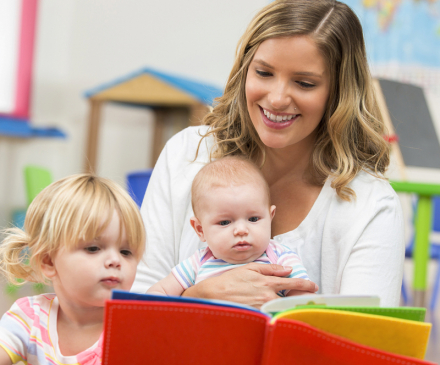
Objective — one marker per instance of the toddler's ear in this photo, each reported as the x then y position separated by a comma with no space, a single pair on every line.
195,223
47,267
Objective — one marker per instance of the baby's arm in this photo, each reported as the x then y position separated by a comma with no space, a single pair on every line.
4,357
289,258
167,286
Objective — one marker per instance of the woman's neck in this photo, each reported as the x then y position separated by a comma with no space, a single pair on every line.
292,162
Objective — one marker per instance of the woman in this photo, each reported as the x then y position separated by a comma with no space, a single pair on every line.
300,103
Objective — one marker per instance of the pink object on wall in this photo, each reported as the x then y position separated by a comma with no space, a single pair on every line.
25,58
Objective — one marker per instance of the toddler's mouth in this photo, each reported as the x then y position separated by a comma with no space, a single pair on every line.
111,281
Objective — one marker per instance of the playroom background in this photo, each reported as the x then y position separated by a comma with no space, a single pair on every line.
101,85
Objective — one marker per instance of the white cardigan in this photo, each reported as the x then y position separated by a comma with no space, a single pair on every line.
352,247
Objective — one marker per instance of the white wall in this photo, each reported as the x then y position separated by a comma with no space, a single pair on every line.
81,44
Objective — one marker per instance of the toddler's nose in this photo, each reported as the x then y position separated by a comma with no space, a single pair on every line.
112,260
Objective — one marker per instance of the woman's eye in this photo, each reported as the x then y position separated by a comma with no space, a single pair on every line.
306,85
263,73
254,219
92,249
126,253
224,223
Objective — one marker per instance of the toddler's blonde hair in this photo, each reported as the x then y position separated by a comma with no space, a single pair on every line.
232,170
76,208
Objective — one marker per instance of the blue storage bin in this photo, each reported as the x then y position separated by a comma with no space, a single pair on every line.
137,182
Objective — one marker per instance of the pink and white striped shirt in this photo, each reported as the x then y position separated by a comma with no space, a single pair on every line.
202,264
28,333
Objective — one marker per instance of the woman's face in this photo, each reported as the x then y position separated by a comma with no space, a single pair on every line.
287,88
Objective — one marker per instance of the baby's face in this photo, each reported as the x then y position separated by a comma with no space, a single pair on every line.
236,222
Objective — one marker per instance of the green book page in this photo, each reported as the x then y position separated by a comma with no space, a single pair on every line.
409,313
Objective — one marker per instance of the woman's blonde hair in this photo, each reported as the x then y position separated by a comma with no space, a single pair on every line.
350,135
76,208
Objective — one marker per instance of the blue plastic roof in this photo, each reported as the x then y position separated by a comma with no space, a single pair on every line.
205,93
22,128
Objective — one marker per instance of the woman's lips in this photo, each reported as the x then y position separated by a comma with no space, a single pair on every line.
277,125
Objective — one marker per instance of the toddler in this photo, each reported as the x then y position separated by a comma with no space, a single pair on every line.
233,215
85,236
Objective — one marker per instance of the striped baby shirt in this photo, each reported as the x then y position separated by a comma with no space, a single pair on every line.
202,264
28,333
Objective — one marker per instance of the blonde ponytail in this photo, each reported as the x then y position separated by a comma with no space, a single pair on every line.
14,258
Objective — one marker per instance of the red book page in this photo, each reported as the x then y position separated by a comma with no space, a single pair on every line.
140,332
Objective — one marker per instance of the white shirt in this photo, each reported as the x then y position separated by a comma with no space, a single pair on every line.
352,247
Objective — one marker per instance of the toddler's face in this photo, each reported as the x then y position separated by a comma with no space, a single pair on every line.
85,275
235,221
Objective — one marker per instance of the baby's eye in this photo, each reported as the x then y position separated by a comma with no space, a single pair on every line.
92,249
126,253
224,223
254,219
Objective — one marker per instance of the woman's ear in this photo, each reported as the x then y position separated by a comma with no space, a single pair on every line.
48,267
195,223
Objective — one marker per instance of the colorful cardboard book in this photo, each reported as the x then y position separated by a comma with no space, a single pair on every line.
163,330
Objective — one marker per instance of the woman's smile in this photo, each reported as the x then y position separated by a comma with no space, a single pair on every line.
278,120
287,87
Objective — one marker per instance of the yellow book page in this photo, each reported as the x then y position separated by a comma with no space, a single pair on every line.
398,336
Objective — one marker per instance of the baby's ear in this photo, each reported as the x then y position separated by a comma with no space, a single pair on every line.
272,210
195,223
47,267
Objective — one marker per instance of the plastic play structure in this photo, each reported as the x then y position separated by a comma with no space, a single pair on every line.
162,92
414,143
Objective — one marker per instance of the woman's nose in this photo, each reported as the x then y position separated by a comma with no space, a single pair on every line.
279,96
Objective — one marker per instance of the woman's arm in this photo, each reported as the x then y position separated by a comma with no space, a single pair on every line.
375,264
252,284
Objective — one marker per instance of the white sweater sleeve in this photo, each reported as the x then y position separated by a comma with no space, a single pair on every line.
375,265
166,208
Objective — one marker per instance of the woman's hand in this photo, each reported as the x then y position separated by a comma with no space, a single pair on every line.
252,284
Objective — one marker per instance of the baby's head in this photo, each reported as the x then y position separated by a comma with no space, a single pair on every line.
78,230
231,204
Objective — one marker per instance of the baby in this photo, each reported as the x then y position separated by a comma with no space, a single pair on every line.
233,215
84,235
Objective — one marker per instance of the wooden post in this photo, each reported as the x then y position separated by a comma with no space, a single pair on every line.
197,113
158,134
395,149
90,164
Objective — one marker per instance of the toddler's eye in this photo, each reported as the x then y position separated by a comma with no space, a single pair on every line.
92,249
126,253
254,219
224,223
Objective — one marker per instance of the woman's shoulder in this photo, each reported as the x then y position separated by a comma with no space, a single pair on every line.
368,186
186,143
372,194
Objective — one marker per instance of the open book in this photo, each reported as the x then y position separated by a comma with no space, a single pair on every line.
142,328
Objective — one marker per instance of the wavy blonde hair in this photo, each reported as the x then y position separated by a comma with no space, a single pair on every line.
350,135
76,208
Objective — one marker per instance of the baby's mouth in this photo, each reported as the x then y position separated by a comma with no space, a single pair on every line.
242,246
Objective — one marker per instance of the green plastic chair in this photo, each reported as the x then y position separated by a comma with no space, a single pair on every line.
36,179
